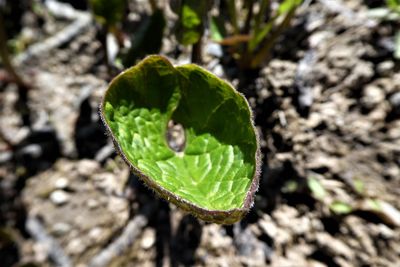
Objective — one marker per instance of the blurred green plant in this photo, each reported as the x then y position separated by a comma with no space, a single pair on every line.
215,173
340,207
393,4
191,24
253,42
109,13
316,188
391,12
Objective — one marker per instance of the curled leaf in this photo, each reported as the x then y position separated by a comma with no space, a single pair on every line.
215,175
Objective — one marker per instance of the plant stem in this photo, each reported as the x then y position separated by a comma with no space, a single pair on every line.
258,19
197,52
249,17
268,43
233,15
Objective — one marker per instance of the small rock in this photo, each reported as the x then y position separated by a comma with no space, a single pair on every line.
59,197
318,37
390,213
95,234
92,203
75,247
268,226
385,68
61,183
148,239
61,228
218,70
214,49
372,96
394,132
5,156
333,246
395,103
87,167
385,231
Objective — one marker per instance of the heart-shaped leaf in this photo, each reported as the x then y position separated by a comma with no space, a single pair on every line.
215,175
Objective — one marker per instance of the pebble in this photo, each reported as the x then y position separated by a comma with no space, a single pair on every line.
391,214
95,234
92,203
148,239
334,246
87,167
59,197
268,226
372,96
218,70
61,228
385,231
75,247
214,49
395,103
61,183
385,68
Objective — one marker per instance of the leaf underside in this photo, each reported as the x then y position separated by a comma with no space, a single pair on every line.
214,177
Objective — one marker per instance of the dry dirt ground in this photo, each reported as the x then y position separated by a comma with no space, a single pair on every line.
327,106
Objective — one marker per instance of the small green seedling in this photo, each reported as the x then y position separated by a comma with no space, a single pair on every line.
215,174
261,29
190,25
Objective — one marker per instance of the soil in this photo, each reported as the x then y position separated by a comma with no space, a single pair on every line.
327,107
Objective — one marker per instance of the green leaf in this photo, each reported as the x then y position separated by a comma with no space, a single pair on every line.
359,186
339,207
373,204
316,188
393,4
108,12
290,186
266,36
287,5
190,24
259,36
217,30
216,174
